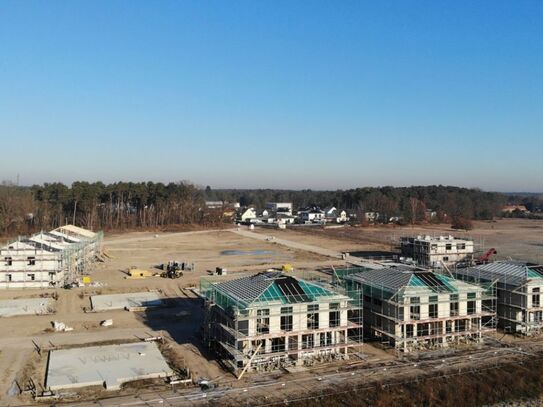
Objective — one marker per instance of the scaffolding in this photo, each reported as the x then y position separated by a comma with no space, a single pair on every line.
410,310
80,257
518,288
435,251
287,321
52,257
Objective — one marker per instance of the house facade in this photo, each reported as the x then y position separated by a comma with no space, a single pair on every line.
435,251
418,310
271,320
519,287
48,259
333,215
247,214
312,215
280,207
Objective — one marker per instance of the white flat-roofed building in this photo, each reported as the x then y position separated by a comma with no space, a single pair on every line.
435,251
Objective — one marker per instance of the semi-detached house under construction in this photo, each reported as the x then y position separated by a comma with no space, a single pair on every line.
519,287
271,320
411,310
48,259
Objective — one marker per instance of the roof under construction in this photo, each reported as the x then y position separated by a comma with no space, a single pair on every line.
64,238
506,272
76,231
393,280
268,287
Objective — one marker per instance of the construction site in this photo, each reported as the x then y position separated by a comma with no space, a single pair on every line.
252,318
270,320
413,310
437,251
518,286
56,258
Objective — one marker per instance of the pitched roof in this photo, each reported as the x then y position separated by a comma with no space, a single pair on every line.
311,209
395,279
386,278
76,230
507,272
249,288
272,286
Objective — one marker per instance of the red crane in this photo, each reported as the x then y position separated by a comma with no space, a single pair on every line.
485,257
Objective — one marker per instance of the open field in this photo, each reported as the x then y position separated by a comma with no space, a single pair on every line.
238,251
519,239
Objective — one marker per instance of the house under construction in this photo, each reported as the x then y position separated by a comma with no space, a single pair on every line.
271,320
46,259
414,310
432,251
519,287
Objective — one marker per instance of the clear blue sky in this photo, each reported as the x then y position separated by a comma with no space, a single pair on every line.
287,94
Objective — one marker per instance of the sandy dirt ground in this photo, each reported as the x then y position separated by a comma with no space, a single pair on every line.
519,239
180,322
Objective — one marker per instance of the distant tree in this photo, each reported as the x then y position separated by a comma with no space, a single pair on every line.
123,205
459,222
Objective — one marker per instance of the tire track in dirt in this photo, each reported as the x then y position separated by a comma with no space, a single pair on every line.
12,362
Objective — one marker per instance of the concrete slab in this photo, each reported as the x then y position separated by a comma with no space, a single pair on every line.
108,366
295,369
26,306
122,301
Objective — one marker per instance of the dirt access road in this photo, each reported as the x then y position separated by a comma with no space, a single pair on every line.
336,255
289,243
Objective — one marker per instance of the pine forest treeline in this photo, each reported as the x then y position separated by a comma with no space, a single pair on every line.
98,206
155,205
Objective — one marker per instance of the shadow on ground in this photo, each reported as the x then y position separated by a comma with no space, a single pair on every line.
181,320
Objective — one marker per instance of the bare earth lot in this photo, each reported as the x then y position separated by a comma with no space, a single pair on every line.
519,239
207,249
238,252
